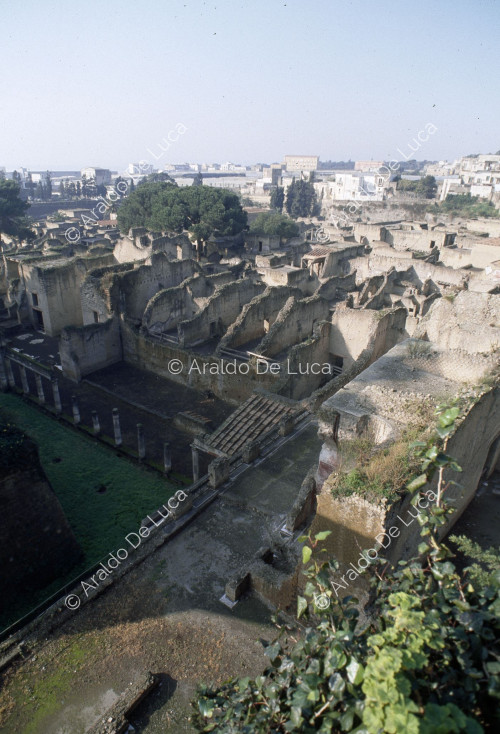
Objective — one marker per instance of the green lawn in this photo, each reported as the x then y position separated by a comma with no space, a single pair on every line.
77,468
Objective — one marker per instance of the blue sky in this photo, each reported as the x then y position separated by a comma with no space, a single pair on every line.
103,83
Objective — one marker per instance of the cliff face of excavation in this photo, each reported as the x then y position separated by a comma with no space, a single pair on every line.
37,544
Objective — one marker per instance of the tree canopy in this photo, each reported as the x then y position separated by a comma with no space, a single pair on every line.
301,199
274,223
13,210
426,186
467,206
202,210
278,198
158,177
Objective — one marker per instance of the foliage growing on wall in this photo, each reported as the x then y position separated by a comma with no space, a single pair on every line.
426,662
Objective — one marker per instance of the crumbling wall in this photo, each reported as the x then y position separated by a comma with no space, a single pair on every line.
390,330
138,286
294,323
337,286
372,232
338,261
168,308
220,311
383,258
307,366
293,277
469,321
373,287
85,349
96,294
353,330
257,317
127,250
175,247
57,287
419,240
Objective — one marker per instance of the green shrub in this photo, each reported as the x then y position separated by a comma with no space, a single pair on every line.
426,662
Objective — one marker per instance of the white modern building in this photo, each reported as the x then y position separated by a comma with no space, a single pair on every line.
101,175
353,186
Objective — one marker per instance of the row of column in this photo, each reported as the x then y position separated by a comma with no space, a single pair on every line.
7,380
141,441
11,382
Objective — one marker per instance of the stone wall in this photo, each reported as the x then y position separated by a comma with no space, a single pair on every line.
337,261
138,286
337,286
287,275
168,308
383,258
257,317
294,323
150,354
85,349
419,240
470,322
372,232
308,365
57,286
127,251
357,524
219,312
354,329
390,330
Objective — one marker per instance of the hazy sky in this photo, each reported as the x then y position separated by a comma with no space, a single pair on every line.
103,83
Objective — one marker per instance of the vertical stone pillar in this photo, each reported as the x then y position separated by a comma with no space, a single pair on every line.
57,397
196,463
141,443
167,459
218,472
95,423
24,379
10,374
251,451
76,410
116,427
286,425
4,382
39,389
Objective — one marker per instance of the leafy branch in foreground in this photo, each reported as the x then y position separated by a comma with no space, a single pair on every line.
427,662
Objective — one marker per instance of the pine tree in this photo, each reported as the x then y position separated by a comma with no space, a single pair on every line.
47,187
278,198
